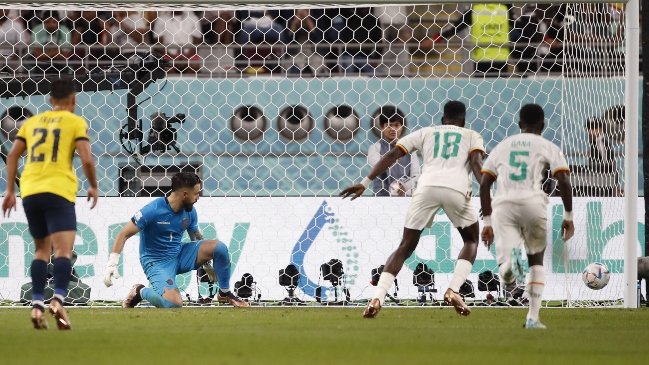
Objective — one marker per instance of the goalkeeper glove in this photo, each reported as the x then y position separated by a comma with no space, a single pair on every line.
111,269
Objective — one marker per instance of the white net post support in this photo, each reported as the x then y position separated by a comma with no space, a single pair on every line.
324,160
631,151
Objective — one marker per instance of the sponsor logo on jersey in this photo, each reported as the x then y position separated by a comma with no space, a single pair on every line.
163,222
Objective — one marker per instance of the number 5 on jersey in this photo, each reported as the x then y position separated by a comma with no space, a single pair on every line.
514,161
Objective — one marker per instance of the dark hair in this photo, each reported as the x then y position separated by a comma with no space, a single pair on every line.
389,113
455,110
184,180
62,88
531,115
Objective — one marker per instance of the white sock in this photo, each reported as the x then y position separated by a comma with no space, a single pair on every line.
535,290
385,282
462,270
224,290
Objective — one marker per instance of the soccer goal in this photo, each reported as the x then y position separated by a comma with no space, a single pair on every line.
277,108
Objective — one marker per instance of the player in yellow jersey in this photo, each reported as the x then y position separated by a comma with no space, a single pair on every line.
48,188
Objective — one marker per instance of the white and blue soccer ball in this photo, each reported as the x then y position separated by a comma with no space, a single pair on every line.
596,275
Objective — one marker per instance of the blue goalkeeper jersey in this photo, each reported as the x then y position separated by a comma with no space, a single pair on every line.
161,230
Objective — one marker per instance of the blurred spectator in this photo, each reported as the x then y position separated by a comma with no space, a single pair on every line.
394,22
302,35
400,178
90,30
33,18
396,32
360,26
489,32
261,27
53,42
217,26
12,36
554,20
128,29
527,33
179,33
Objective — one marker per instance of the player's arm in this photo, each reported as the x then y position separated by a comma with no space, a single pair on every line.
384,163
9,201
195,236
88,165
475,161
485,201
129,230
565,190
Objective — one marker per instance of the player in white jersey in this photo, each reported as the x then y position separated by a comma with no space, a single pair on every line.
520,205
451,152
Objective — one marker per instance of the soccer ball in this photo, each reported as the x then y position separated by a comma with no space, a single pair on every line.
596,275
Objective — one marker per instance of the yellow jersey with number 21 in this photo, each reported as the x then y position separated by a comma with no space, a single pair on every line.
51,141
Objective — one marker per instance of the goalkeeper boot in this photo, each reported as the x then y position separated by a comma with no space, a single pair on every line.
229,297
134,297
38,319
58,311
532,324
373,308
455,299
517,265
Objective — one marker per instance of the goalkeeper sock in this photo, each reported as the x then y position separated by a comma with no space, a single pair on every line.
39,278
156,299
535,289
462,270
221,262
62,271
384,284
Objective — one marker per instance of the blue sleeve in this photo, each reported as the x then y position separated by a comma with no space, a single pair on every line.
144,216
193,221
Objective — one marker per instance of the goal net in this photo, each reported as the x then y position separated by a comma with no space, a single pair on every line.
279,107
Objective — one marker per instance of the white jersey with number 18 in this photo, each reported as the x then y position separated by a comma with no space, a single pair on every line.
446,151
518,163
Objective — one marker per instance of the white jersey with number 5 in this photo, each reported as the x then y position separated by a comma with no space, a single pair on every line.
518,164
445,150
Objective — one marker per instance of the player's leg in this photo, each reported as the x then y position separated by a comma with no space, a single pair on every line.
62,242
39,280
392,267
420,215
507,237
164,294
195,254
534,233
464,216
38,229
62,225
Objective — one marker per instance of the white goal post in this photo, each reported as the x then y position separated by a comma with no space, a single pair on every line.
276,130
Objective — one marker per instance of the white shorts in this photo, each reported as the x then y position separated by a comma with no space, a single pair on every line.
427,200
517,224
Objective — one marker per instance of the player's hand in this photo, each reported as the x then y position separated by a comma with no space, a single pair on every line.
488,236
355,190
567,230
93,194
111,270
8,203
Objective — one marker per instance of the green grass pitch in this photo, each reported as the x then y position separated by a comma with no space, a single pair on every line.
327,336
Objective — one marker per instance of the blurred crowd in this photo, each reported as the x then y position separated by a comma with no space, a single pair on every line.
502,38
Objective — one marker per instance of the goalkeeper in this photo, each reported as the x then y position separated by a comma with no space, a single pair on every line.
162,254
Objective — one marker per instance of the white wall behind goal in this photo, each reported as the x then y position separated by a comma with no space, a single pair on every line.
264,235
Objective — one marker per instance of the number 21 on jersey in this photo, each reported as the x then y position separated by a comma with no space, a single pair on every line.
42,134
449,143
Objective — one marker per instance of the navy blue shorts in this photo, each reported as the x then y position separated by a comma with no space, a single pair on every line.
49,213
